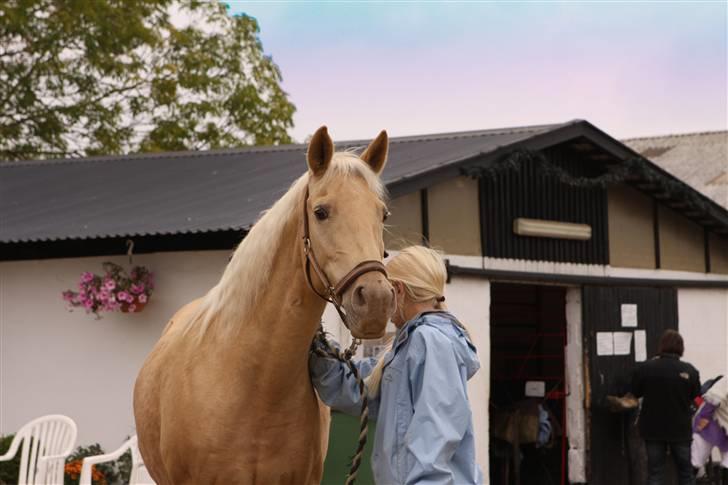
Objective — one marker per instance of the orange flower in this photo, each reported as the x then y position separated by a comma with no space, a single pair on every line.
73,470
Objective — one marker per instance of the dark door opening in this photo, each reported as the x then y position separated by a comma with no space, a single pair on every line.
616,449
527,385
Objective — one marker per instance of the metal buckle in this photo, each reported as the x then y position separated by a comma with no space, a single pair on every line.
306,245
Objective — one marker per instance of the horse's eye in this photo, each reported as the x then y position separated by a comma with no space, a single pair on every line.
321,213
386,216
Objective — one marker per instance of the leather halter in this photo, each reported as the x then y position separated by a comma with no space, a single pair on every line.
333,292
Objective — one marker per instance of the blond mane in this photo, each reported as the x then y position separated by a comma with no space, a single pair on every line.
246,274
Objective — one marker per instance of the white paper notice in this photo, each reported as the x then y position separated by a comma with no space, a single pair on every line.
629,315
622,343
535,388
640,345
605,343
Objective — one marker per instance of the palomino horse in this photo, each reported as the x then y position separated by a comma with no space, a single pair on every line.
225,395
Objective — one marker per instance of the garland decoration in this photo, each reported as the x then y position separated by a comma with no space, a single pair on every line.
634,169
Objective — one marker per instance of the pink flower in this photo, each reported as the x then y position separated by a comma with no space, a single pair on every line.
124,296
87,277
110,284
142,298
88,304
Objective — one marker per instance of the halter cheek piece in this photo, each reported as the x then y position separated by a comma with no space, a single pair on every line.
332,293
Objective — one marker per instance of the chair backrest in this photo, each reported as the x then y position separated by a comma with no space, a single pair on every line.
47,441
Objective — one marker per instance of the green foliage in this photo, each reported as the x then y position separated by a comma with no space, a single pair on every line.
81,78
9,470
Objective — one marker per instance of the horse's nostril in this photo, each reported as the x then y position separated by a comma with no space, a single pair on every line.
359,296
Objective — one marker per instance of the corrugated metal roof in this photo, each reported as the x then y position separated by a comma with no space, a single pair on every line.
699,159
189,192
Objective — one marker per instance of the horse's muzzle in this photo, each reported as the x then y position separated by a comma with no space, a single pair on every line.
369,303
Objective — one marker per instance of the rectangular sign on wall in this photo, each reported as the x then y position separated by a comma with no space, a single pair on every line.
622,343
605,343
629,315
640,345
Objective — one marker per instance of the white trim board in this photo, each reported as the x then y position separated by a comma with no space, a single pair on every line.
549,267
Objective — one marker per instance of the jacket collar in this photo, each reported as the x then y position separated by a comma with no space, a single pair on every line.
405,330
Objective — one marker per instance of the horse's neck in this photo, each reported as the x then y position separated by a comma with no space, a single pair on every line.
278,331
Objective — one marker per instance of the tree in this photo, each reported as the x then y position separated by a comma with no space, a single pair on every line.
89,77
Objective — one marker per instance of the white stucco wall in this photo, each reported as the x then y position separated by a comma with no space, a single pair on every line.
55,361
703,323
469,299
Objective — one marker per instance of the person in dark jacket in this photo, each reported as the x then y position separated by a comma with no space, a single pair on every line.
667,386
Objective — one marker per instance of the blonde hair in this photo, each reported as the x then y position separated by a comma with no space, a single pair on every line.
423,274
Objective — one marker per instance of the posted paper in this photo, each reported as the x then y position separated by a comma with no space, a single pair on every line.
622,343
629,315
640,345
605,343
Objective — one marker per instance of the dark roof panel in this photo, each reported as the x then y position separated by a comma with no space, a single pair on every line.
174,193
222,190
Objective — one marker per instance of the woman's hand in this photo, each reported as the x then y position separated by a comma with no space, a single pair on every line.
702,423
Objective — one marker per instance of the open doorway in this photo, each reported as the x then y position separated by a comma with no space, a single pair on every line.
527,391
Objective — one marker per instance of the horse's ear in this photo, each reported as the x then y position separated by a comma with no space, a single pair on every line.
376,153
320,151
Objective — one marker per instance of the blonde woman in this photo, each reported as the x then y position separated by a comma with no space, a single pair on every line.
417,389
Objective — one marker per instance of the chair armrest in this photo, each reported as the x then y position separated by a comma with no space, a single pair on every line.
13,450
89,461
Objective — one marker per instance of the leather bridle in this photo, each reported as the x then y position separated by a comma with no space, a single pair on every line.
332,293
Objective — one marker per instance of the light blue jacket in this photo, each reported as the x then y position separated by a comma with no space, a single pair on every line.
424,424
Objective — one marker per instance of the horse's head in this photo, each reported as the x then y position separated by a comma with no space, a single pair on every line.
345,213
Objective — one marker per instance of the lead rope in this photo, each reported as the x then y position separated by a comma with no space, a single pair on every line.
327,350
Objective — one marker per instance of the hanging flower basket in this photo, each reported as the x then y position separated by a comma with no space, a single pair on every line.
115,290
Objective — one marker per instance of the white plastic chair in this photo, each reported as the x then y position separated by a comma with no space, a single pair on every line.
47,441
139,474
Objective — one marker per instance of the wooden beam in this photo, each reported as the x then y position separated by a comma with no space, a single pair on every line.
706,241
656,231
425,214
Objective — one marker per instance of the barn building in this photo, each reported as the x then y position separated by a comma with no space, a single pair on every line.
568,255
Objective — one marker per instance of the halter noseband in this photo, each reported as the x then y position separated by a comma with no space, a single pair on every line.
333,292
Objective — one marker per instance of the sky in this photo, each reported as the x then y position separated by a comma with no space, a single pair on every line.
631,68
